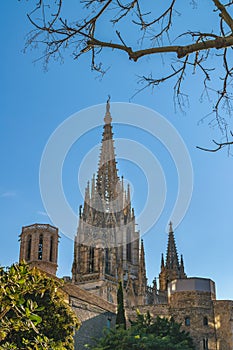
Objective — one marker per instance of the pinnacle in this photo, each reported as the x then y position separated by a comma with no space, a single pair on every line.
170,227
172,261
108,118
107,178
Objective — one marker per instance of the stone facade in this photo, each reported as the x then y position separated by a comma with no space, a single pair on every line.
209,321
94,313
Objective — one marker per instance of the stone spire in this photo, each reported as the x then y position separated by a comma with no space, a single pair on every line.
107,241
181,266
172,269
107,178
162,262
172,261
142,280
142,259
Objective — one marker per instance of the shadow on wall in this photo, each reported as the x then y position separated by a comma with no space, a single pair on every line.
92,329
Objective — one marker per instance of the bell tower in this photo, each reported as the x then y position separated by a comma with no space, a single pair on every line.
39,247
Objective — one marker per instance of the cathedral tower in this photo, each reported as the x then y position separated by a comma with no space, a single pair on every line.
39,247
172,268
107,245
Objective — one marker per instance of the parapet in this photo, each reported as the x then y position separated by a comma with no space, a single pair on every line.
191,289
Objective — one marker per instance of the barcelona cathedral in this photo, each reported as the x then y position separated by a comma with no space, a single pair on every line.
108,249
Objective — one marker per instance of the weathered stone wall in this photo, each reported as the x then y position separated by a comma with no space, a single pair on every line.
195,311
94,320
95,314
223,312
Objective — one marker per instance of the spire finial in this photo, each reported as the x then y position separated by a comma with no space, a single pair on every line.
108,103
108,118
170,227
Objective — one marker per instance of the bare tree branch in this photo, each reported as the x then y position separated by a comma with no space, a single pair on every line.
219,146
188,51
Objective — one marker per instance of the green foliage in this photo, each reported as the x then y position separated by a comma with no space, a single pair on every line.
33,313
120,318
146,334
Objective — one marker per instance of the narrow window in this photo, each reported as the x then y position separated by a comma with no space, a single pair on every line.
91,259
128,247
205,344
205,321
51,249
187,321
107,261
28,256
40,248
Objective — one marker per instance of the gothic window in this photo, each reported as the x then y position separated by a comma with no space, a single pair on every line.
107,261
51,249
205,344
29,244
205,321
187,321
40,248
128,247
91,259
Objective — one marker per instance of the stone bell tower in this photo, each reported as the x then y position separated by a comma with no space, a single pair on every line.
39,247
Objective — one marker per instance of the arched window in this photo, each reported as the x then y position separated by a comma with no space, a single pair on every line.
51,249
187,321
40,248
29,244
128,247
91,259
205,321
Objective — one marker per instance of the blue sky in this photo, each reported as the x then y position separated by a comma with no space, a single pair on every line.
34,103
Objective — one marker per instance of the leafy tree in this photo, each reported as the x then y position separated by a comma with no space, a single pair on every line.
192,46
33,313
120,318
146,334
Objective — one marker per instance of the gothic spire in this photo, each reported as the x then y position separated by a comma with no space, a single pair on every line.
142,259
162,262
93,187
86,200
107,178
107,242
172,261
142,280
171,269
182,273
